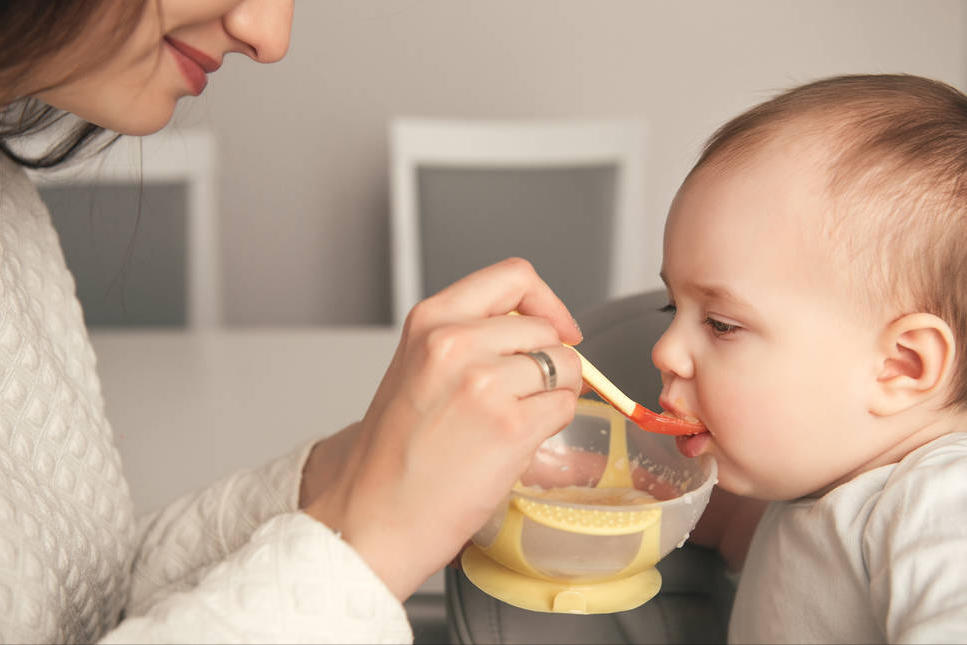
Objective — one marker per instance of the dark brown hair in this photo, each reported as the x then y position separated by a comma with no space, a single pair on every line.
31,33
897,183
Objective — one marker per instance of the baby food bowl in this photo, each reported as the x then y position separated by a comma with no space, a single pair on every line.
600,504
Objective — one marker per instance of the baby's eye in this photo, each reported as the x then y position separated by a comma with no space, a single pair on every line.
720,328
668,309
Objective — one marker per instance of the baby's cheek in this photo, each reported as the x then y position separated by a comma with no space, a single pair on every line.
747,427
726,408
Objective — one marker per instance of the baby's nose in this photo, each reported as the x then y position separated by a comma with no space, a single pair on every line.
670,355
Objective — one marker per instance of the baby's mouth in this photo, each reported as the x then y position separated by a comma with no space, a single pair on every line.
693,445
690,445
676,408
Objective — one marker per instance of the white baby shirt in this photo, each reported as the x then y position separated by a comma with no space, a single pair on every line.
236,562
882,558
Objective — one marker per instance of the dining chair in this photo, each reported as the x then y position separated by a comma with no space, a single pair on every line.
138,226
564,194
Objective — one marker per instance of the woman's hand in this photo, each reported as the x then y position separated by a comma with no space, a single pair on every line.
456,419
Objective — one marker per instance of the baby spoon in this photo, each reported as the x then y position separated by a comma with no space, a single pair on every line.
639,414
642,416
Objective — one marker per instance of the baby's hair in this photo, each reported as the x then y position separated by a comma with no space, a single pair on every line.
897,182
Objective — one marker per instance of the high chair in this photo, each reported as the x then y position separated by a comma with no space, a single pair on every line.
695,599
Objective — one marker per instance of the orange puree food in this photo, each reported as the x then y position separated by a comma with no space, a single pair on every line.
590,496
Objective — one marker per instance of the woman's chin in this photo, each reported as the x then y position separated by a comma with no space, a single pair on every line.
140,124
137,120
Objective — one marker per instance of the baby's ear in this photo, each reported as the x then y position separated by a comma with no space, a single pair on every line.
916,357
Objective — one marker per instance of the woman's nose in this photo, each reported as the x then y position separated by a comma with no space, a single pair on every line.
263,26
670,354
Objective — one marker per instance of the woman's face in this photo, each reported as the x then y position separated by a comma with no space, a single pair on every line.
170,52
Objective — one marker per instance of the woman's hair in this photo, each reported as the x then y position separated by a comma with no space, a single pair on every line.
896,179
32,32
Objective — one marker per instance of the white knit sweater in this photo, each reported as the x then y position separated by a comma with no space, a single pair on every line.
236,562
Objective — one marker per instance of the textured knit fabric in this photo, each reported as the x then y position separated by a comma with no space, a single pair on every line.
236,562
880,559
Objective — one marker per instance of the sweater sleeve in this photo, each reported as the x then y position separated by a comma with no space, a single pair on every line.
238,562
293,581
176,543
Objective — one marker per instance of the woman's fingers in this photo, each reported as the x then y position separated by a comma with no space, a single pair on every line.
505,380
526,377
548,413
470,353
510,285
473,353
453,424
498,336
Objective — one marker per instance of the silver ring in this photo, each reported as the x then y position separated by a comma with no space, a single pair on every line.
548,371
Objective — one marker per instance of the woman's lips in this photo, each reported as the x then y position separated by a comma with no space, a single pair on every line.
195,65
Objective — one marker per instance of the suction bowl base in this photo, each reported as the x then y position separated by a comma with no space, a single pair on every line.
605,597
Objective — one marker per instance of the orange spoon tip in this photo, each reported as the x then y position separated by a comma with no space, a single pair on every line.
648,420
642,416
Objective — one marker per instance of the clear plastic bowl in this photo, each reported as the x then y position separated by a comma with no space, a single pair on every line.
577,456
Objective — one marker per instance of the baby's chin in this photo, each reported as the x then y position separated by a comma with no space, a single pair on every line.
768,491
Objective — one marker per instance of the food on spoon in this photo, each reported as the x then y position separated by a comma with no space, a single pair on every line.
642,416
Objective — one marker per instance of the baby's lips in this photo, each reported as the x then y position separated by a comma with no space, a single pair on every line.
692,445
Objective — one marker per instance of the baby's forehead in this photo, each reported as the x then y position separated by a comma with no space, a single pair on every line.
775,191
811,143
844,197
778,184
886,161
790,159
813,164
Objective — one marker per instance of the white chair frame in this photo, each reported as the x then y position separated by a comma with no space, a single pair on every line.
416,142
180,156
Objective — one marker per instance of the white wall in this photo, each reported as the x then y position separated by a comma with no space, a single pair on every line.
303,142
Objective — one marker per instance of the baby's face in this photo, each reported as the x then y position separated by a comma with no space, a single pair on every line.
763,347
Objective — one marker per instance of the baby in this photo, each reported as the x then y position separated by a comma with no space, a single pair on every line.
815,259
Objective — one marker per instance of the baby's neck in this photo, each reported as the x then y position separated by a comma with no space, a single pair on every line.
917,428
933,425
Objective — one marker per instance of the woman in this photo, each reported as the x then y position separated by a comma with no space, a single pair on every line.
384,503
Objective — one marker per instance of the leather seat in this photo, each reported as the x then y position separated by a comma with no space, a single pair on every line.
695,600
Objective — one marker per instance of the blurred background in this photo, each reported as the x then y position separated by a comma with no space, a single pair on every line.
303,144
301,234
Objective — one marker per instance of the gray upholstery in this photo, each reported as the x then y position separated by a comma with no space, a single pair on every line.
695,600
